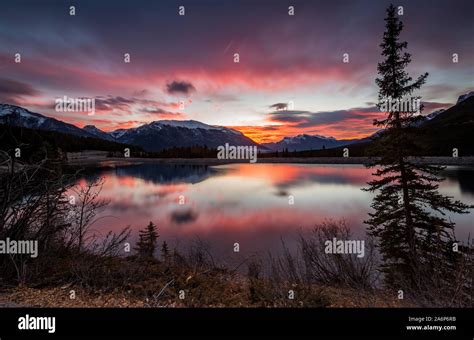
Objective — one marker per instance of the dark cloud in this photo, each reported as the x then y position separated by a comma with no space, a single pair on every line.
162,113
287,116
305,119
319,118
108,103
11,90
279,106
180,87
111,102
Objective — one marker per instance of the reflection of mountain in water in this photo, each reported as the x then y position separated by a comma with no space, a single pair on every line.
158,173
463,176
167,173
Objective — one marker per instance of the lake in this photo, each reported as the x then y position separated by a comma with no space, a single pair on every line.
248,203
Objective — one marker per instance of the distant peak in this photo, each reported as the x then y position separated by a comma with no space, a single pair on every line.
324,137
8,109
306,136
465,96
189,124
434,114
92,128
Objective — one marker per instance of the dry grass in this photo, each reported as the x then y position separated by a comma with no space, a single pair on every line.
60,297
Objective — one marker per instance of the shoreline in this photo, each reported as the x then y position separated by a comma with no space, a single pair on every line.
121,161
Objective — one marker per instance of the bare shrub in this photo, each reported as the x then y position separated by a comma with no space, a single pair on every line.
34,205
340,269
83,213
306,270
310,264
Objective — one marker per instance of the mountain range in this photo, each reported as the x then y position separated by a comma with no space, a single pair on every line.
444,133
155,136
165,134
18,116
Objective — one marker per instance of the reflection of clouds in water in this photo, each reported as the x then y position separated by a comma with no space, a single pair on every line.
288,176
340,176
183,217
282,193
245,203
164,191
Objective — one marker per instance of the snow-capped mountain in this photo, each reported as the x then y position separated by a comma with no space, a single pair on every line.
165,134
189,124
428,117
154,136
116,134
434,114
193,124
307,142
18,116
465,96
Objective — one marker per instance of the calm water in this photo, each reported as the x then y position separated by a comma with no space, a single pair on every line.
248,203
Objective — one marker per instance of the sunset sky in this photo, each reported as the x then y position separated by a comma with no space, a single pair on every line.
190,58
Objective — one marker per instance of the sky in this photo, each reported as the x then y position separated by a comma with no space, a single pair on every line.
183,66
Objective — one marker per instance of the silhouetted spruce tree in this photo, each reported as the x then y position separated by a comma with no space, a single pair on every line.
165,252
415,238
147,240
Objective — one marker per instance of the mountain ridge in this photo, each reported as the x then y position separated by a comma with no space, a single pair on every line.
21,117
163,134
154,136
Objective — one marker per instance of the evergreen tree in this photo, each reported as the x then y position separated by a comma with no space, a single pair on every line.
165,252
409,221
147,240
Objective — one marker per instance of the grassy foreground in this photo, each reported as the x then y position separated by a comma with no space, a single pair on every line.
128,283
